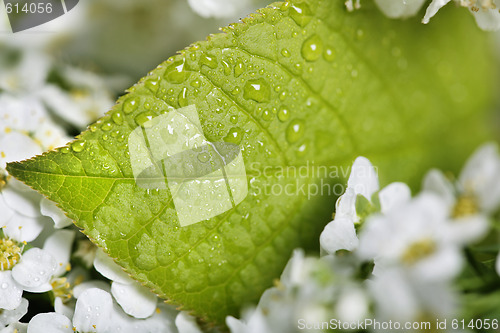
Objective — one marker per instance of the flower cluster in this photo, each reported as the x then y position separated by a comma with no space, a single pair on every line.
486,12
388,255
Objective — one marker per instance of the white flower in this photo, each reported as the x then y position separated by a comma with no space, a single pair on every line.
340,234
48,208
486,12
29,271
95,311
135,299
8,317
20,218
15,328
219,8
399,8
473,198
400,296
413,237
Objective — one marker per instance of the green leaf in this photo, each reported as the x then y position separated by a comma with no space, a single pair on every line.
302,86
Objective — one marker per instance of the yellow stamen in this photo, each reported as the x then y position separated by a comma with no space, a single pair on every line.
418,251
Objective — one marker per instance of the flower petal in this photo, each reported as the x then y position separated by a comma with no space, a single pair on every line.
49,208
339,235
8,317
481,176
363,178
399,8
97,284
110,269
15,146
50,322
186,323
487,19
15,328
433,8
65,309
24,229
24,200
59,246
10,291
394,195
93,311
468,229
35,268
7,212
135,300
436,182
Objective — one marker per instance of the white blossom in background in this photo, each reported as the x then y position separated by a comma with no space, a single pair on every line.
398,295
219,8
311,290
135,299
412,237
475,196
400,8
340,234
486,12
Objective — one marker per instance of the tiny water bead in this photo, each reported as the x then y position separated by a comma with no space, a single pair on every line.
233,119
93,127
175,72
78,146
64,150
10,254
107,125
183,101
117,117
130,105
266,115
312,48
196,83
226,67
329,54
209,61
283,114
295,131
285,53
239,68
144,117
300,13
257,90
234,135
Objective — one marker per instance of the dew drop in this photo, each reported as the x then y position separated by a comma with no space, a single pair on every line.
107,125
203,157
360,34
300,13
183,101
283,95
235,91
130,105
143,118
233,119
105,137
257,90
208,61
152,85
196,83
329,54
78,146
226,67
234,136
266,115
175,72
283,114
238,69
285,53
295,131
64,150
312,48
117,117
93,127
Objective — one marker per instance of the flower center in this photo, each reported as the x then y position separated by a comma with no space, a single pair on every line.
10,254
475,5
466,205
418,251
62,288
